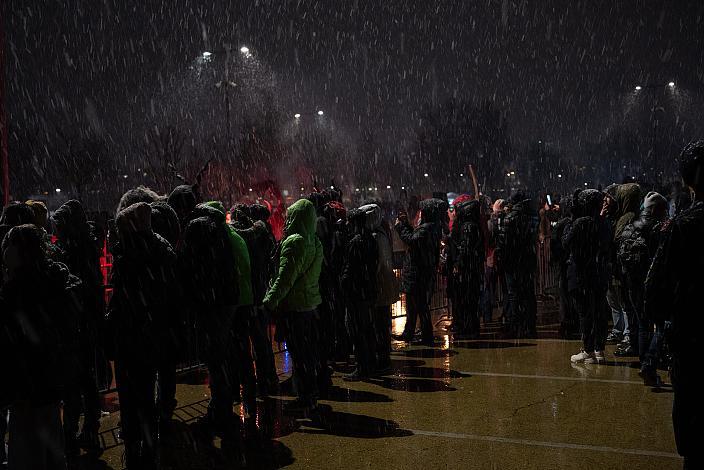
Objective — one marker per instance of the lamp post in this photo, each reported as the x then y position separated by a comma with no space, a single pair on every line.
653,164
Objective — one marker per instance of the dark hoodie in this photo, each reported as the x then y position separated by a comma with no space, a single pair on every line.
38,323
78,248
516,244
358,278
423,244
142,311
587,242
465,252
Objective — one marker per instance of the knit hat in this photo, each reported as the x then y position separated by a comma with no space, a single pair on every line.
136,218
70,217
41,214
135,195
590,201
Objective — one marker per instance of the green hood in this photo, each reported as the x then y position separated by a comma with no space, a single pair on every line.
301,219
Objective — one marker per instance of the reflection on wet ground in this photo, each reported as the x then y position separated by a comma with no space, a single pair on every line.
484,403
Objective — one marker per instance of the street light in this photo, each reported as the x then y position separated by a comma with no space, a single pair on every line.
244,50
297,115
320,112
639,88
58,190
671,84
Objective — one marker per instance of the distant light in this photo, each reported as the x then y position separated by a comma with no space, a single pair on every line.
207,54
250,190
540,141
633,177
403,187
370,189
639,88
671,84
508,174
559,176
513,173
124,176
461,175
356,189
297,115
320,112
388,187
58,190
244,50
302,188
585,184
425,174
332,187
375,188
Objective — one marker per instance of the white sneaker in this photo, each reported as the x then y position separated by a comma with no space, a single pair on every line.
599,357
583,356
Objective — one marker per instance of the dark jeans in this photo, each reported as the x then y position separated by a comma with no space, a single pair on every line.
301,335
418,307
521,305
593,321
687,407
243,361
219,354
465,307
136,380
82,395
382,333
166,395
263,354
361,326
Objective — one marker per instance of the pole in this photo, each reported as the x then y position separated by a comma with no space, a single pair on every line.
4,156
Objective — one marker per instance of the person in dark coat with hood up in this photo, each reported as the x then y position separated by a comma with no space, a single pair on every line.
359,285
420,266
38,345
587,240
516,253
139,320
77,248
636,249
674,295
465,267
569,319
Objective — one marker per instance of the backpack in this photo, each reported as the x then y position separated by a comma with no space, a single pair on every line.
633,254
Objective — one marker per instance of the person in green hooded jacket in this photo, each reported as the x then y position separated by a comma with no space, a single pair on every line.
295,295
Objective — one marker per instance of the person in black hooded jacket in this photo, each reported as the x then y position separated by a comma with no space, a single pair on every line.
77,248
569,320
587,240
358,281
420,266
465,268
39,306
140,317
516,252
209,269
673,296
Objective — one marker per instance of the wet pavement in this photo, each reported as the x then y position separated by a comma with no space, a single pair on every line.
486,404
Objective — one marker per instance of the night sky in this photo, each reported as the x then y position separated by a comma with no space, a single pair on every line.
561,70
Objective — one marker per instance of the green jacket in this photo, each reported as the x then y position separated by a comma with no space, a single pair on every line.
244,269
295,286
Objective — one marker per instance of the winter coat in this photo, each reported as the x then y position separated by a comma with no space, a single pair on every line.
673,288
358,278
587,240
143,312
207,265
386,280
516,243
241,255
636,247
261,246
628,199
465,248
78,248
39,334
423,254
295,286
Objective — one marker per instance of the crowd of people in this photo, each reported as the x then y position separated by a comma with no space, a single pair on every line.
185,268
